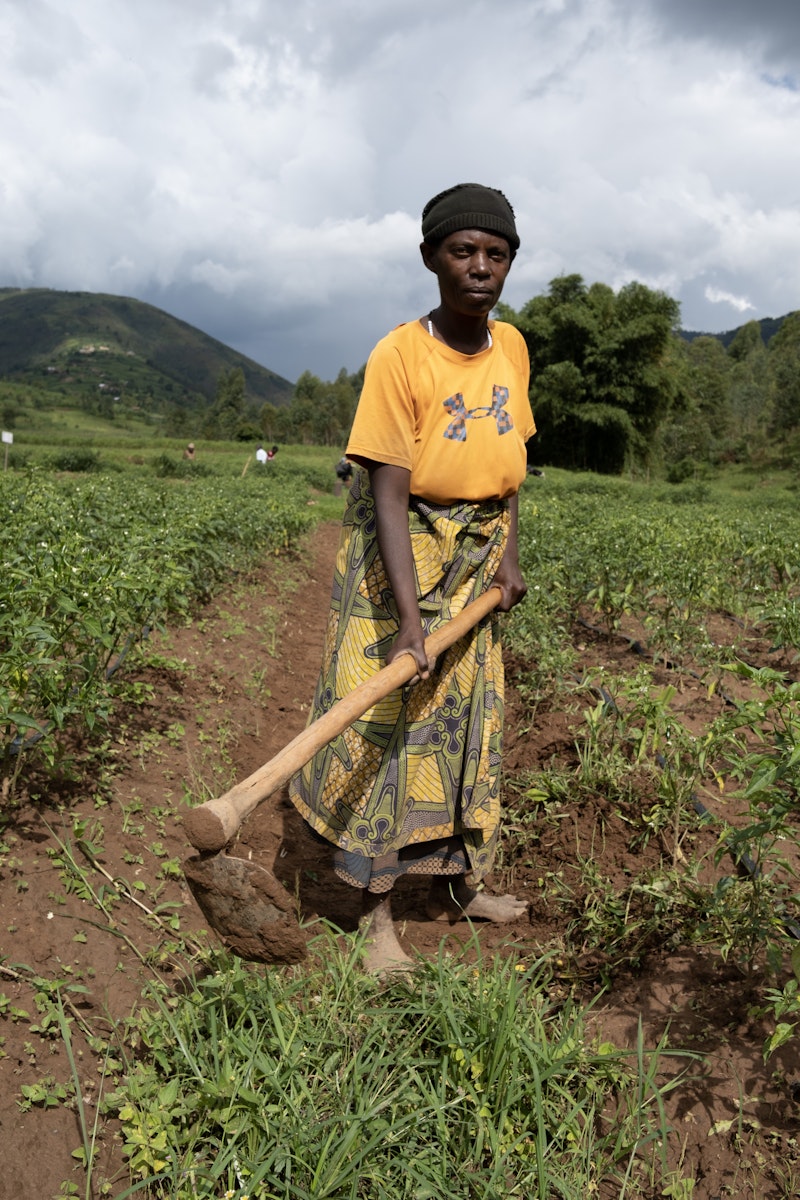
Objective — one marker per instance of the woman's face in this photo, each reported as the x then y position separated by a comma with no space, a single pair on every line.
471,266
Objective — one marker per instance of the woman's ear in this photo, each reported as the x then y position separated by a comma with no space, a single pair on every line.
428,253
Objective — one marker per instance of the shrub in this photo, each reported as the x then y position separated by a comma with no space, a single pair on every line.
74,460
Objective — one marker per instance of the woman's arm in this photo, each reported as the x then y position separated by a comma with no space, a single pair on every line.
508,576
390,488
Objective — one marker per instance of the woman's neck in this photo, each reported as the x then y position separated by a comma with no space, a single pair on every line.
467,335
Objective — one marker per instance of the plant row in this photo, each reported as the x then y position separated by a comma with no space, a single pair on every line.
90,565
707,807
668,560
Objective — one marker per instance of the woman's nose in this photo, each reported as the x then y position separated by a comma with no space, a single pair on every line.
480,264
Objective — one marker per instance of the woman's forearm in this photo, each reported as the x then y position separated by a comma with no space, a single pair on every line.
390,489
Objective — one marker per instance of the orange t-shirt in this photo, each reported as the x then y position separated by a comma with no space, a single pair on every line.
457,422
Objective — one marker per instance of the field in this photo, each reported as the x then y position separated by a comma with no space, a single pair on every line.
633,1036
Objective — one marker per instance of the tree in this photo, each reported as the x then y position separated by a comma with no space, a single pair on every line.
746,341
708,382
9,411
697,429
748,396
228,411
784,376
320,413
603,375
308,387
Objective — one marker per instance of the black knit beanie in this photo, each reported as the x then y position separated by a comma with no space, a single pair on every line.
469,206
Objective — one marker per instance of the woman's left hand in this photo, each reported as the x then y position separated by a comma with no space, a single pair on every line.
508,578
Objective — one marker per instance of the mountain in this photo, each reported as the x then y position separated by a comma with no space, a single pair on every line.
70,342
769,327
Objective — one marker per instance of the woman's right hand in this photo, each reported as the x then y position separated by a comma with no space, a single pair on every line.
411,640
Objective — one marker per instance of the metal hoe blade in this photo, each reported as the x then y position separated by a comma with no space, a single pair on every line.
247,906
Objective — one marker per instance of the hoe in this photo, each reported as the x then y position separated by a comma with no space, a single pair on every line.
243,902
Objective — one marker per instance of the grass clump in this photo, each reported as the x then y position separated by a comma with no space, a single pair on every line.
463,1080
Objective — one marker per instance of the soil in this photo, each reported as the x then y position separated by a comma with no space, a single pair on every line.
225,694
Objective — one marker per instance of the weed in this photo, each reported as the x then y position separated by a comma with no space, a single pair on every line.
470,1067
45,1093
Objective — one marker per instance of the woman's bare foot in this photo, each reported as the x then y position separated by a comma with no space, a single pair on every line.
450,898
383,951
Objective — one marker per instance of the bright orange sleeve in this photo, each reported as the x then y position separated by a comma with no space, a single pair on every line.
384,426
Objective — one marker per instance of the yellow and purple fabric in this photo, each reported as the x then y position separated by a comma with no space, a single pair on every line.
413,786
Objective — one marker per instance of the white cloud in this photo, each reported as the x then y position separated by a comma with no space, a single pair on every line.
259,168
716,295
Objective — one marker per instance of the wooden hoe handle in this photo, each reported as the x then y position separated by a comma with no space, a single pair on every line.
211,826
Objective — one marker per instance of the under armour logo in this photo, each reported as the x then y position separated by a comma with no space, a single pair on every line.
457,429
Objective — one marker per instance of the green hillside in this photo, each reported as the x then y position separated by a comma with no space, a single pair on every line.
769,326
74,345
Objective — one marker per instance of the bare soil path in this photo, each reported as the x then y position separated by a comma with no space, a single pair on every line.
227,693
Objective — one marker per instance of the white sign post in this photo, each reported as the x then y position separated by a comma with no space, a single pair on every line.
8,440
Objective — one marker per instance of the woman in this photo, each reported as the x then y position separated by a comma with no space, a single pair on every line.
431,522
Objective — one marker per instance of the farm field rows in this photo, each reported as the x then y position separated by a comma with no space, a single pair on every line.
652,766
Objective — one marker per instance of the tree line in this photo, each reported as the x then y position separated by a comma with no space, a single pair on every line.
614,387
320,413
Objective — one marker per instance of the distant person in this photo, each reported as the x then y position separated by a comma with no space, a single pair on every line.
261,455
271,454
189,452
344,469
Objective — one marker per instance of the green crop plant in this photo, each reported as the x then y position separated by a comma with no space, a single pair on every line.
623,735
612,598
687,763
783,1005
604,766
758,747
89,566
304,1082
610,928
780,616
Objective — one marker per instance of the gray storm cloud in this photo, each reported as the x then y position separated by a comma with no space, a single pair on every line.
258,168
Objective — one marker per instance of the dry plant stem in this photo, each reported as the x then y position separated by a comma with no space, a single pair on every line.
29,975
118,884
122,887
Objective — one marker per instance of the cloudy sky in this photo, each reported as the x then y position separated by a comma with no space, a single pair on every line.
258,167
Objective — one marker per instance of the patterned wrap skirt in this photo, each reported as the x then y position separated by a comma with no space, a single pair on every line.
412,787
